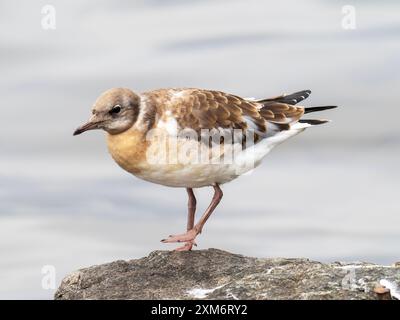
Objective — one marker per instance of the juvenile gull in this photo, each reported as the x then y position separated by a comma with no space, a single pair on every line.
193,138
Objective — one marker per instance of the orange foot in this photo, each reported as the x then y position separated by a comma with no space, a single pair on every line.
187,237
187,246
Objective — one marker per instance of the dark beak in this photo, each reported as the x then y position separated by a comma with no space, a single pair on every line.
87,126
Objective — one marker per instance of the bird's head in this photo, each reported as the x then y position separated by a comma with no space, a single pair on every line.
115,111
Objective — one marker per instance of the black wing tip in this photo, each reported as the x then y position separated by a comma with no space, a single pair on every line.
295,98
313,122
319,108
301,91
292,98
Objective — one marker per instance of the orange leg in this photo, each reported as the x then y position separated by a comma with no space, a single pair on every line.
190,220
194,230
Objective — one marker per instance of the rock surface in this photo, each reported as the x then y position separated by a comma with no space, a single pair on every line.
216,274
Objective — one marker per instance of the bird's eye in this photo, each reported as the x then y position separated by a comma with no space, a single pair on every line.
116,109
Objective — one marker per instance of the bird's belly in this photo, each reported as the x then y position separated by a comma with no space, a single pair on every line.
193,164
188,175
175,167
150,161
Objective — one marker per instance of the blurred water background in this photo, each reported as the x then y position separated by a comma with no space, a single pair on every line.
331,193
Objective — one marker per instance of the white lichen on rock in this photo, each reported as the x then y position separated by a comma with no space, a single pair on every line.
201,293
393,288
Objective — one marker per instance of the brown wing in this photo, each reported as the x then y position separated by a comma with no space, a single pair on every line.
282,109
278,112
206,109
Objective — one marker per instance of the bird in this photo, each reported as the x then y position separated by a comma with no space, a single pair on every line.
192,138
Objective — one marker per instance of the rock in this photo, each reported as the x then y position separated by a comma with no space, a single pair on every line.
216,274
